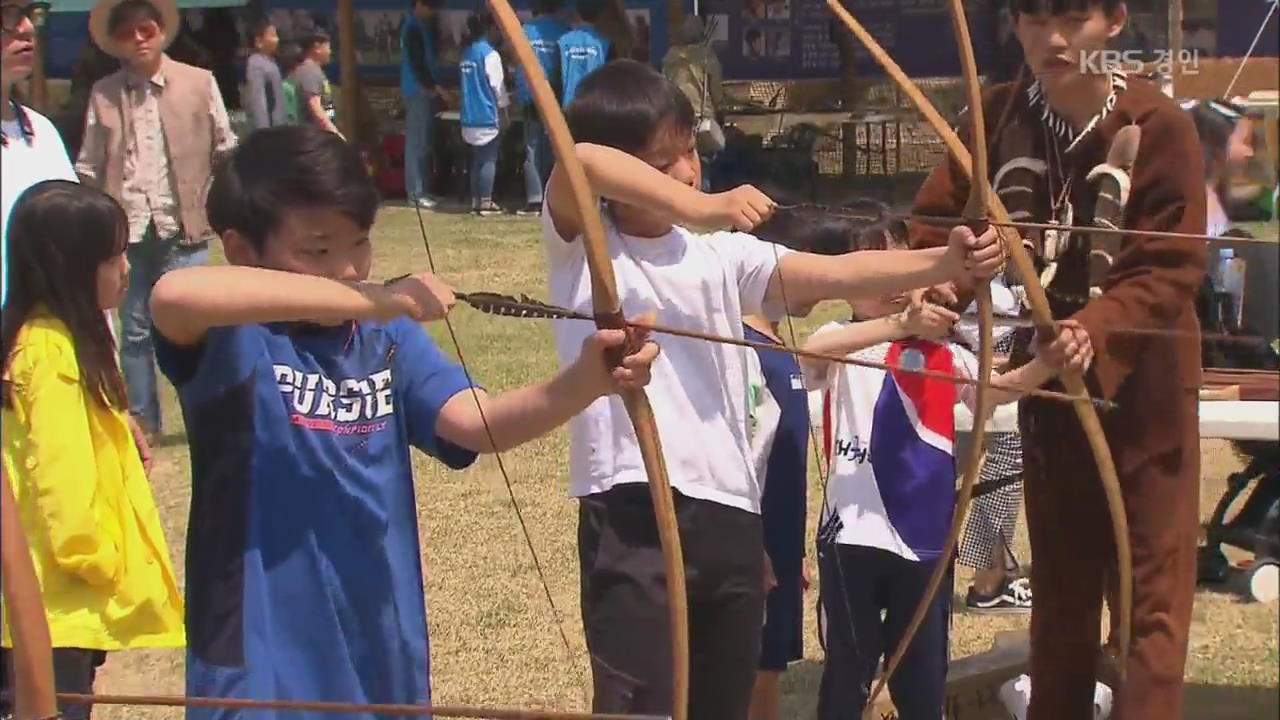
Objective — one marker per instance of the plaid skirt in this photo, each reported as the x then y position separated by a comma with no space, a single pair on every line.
993,515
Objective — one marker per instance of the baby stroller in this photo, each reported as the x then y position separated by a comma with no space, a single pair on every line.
1255,528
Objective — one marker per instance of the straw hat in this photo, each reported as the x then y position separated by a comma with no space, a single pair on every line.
101,13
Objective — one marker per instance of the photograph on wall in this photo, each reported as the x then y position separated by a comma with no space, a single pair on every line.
642,32
378,36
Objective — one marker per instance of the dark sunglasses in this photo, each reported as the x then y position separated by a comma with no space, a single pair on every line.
12,14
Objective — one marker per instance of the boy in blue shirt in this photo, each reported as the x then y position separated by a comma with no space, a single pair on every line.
544,33
582,49
303,386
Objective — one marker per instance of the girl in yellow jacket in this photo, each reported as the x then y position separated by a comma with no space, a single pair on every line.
82,493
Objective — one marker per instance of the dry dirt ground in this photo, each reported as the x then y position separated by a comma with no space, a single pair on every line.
495,641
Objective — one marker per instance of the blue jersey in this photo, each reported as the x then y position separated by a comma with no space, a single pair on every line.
479,101
303,577
544,34
782,508
581,51
409,85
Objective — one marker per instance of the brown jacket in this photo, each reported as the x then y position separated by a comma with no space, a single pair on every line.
189,119
1153,281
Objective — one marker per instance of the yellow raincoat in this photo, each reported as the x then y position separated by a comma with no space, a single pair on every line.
85,503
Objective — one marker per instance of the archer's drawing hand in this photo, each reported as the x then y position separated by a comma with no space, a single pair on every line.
974,257
1070,349
635,370
422,297
928,321
742,208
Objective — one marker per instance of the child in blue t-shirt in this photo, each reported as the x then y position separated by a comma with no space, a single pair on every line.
582,49
304,386
484,110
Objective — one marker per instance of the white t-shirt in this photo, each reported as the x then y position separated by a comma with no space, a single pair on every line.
23,163
699,390
890,441
765,418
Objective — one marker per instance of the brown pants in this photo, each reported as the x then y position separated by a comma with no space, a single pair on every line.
1074,559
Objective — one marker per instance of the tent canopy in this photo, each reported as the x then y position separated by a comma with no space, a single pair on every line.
84,6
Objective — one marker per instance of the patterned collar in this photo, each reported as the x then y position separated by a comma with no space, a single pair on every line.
25,128
137,82
1059,125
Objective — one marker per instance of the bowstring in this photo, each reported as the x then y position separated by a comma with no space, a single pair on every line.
506,478
823,474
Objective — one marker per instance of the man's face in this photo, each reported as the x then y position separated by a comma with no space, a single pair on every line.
18,39
312,241
1240,146
269,41
1059,47
140,39
423,11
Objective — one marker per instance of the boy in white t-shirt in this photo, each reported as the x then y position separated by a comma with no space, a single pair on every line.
636,141
891,494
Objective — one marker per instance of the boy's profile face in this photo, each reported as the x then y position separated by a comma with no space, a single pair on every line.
1059,48
268,41
311,241
675,153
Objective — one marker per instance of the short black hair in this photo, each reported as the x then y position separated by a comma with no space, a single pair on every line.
547,7
259,27
131,11
281,168
477,26
308,43
860,224
590,10
289,56
1061,7
753,34
625,104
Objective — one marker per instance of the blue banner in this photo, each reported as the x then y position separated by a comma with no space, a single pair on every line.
791,39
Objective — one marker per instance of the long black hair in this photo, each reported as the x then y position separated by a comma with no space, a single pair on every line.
60,232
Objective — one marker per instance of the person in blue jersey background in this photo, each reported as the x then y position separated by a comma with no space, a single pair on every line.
304,391
419,88
544,33
484,109
582,49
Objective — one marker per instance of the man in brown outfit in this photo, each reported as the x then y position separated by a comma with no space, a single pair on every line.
152,131
1067,116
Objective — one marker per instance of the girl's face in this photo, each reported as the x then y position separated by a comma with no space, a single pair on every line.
113,281
1240,145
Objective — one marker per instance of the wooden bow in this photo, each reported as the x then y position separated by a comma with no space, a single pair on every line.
28,625
1042,317
975,212
608,315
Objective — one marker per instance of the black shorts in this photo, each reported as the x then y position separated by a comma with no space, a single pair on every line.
74,670
624,603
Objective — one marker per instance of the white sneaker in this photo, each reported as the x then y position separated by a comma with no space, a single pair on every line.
1015,695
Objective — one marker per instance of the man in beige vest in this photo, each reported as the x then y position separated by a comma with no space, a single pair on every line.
152,132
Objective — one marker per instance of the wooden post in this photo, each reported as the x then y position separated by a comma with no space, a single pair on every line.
39,84
1175,44
350,84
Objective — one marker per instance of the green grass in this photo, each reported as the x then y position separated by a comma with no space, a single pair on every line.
494,639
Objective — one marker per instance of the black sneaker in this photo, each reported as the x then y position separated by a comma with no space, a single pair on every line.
1014,596
530,210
